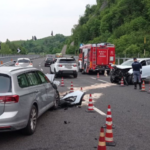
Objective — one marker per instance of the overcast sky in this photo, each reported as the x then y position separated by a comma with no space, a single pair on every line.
21,19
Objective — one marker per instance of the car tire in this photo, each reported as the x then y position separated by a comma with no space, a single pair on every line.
57,100
56,75
130,79
32,122
111,79
50,70
84,70
75,75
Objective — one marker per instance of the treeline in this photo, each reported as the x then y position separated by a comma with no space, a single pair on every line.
124,23
48,45
11,48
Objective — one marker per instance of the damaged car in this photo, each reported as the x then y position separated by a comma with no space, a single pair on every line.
68,99
125,71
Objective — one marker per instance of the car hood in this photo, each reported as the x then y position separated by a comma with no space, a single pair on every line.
123,67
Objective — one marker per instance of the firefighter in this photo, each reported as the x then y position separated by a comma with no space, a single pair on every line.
137,73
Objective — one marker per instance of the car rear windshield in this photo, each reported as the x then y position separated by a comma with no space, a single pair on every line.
67,61
23,61
48,59
5,83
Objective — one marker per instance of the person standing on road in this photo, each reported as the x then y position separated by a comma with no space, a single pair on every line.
137,73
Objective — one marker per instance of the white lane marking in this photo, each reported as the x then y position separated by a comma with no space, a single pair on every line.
99,111
103,81
41,69
93,78
95,108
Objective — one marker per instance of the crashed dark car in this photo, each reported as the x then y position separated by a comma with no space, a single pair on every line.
125,71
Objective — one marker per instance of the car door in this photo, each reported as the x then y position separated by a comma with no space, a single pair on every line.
39,89
49,88
145,69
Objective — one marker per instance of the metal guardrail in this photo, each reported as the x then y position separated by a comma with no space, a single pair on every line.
9,60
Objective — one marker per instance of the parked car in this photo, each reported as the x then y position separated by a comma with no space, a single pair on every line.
25,94
62,66
125,70
48,61
23,62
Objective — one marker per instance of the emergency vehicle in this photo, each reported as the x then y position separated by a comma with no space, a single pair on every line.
96,57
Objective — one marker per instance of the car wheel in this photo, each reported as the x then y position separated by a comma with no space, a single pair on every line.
57,100
111,79
130,79
31,126
55,73
84,70
75,75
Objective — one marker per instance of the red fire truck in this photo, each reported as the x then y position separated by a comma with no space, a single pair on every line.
96,57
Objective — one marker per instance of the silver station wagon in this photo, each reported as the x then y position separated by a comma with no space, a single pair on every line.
25,94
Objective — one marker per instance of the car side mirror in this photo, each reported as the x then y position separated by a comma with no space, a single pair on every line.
31,61
14,61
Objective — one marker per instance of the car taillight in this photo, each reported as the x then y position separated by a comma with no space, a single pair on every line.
17,63
74,65
31,64
60,65
9,99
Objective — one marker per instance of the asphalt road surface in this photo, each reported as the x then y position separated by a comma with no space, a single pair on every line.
76,129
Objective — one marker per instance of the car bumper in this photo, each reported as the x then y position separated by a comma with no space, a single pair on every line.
67,72
47,64
9,122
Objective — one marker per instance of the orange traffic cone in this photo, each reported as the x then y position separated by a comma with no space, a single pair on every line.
62,82
71,88
97,75
109,135
109,121
102,143
143,86
82,91
122,82
1,62
90,105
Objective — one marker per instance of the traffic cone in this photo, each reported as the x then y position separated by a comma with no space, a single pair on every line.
105,73
1,62
109,135
102,143
90,105
143,86
97,75
82,91
71,88
62,82
122,82
109,121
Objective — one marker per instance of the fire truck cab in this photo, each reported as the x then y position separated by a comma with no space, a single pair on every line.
96,57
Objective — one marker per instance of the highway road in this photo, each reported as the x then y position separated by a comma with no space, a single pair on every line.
75,129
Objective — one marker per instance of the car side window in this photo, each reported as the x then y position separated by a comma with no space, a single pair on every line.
148,62
143,63
42,77
22,81
33,79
